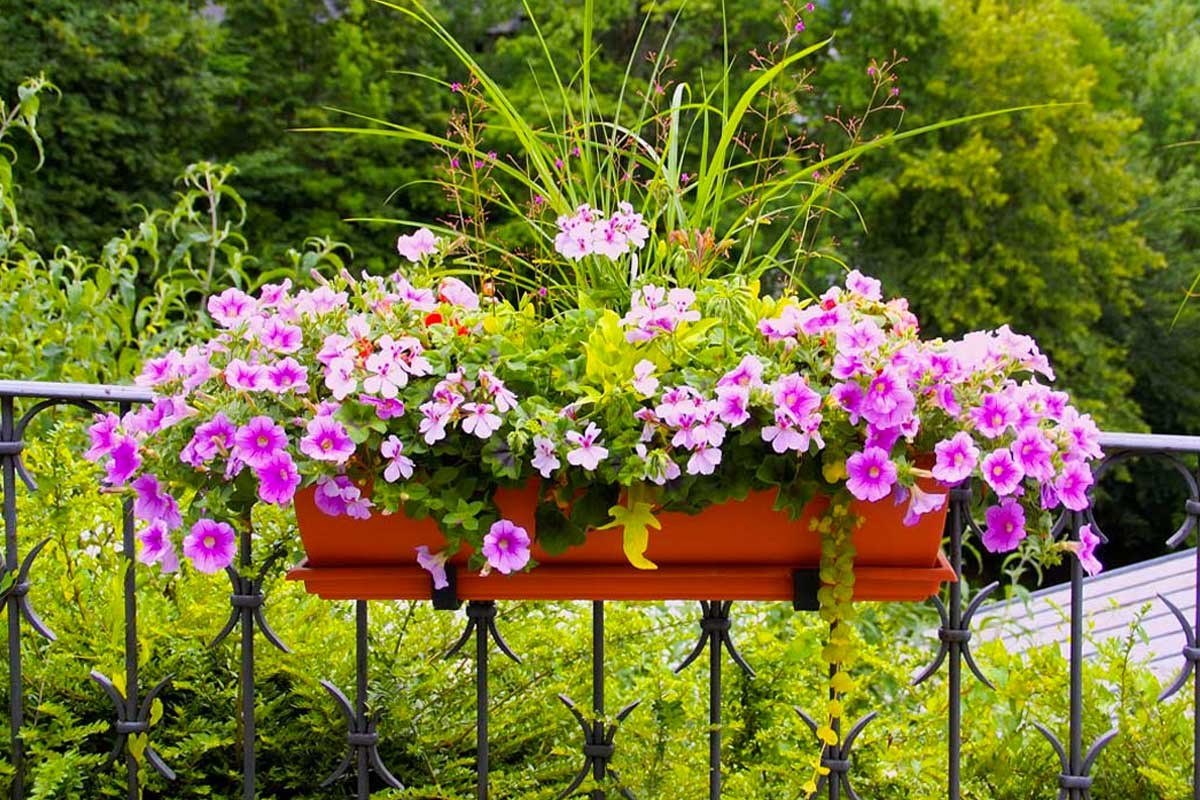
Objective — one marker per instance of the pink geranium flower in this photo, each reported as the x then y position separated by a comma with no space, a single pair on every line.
506,547
399,465
870,474
588,452
545,461
210,545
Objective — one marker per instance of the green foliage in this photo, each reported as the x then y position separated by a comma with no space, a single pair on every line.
427,703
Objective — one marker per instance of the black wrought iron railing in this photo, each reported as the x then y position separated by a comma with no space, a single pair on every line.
22,402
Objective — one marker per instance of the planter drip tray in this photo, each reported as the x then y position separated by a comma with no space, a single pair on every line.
614,582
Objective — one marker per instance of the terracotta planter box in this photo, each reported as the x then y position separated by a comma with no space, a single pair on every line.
737,551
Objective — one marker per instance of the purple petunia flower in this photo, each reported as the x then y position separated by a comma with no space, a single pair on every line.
870,474
588,452
993,416
210,438
1086,550
124,460
1005,526
327,440
277,479
153,504
157,547
921,502
1001,472
956,458
231,307
746,375
1072,485
506,547
258,440
279,336
210,545
1032,451
856,282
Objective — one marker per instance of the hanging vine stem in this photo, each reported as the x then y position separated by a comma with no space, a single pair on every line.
836,599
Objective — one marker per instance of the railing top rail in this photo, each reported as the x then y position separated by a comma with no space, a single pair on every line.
94,392
1149,442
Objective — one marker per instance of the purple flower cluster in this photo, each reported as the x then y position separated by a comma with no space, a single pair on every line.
588,232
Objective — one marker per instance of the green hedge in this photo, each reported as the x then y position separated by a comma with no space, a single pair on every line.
427,702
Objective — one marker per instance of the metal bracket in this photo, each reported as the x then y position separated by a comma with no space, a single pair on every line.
805,585
446,599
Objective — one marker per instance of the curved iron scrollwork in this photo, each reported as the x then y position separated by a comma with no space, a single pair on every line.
836,758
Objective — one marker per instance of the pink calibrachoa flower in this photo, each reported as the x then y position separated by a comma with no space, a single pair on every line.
231,307
103,435
588,452
644,382
888,403
160,370
210,545
277,479
479,419
287,376
856,282
157,547
328,495
416,246
870,474
434,564
258,440
124,460
860,338
956,458
506,547
1005,526
399,465
152,504
245,377
1085,549
545,460
1072,484
1001,472
326,439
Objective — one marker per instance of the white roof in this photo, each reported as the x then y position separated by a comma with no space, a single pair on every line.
1112,601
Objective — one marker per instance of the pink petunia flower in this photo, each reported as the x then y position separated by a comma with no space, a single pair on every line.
258,440
286,376
152,504
506,547
1072,484
457,293
326,439
124,460
277,479
280,337
245,377
870,474
231,307
435,565
157,547
103,435
1005,526
1086,550
210,545
1001,472
956,458
416,246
